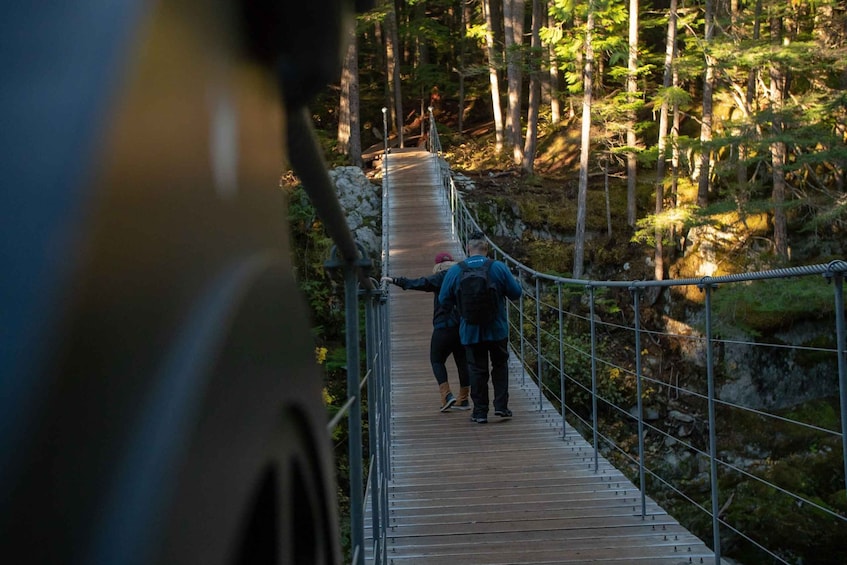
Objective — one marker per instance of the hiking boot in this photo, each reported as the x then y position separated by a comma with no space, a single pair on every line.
447,398
504,413
479,419
462,402
448,402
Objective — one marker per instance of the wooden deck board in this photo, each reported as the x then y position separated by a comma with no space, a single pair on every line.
510,491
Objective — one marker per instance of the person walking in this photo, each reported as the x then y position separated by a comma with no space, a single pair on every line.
478,287
445,334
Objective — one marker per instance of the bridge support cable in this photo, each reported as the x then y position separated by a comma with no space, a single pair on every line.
713,455
595,424
354,430
838,288
639,396
564,404
539,358
352,273
708,351
377,418
521,332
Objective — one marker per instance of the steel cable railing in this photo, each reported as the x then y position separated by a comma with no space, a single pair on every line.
371,391
619,379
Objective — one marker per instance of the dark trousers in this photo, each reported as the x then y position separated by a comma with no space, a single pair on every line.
478,355
446,342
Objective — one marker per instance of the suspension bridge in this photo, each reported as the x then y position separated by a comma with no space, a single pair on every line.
523,490
161,403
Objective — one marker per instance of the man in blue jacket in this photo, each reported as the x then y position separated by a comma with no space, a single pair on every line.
488,339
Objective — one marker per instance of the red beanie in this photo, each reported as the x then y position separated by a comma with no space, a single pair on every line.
441,257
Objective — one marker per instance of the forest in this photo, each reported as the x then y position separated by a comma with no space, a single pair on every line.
721,116
709,108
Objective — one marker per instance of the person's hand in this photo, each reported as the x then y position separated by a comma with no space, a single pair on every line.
387,279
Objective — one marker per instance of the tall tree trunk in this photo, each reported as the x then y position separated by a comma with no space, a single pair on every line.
513,15
464,18
528,163
708,89
585,150
553,65
349,132
392,42
631,139
750,94
667,76
343,135
379,33
677,119
492,76
778,151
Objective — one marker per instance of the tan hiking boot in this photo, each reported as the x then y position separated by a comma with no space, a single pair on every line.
463,400
447,398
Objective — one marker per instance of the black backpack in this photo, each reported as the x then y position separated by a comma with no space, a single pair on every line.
479,298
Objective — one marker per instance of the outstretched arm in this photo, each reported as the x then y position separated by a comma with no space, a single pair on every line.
431,283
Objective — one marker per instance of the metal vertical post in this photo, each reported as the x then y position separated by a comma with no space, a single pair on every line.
386,195
562,360
636,292
538,342
521,334
384,416
371,342
713,449
838,281
386,391
385,133
453,211
354,419
594,419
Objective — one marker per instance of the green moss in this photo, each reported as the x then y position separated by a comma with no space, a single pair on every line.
556,257
761,307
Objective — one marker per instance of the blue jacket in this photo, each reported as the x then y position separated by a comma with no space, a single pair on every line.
509,288
442,316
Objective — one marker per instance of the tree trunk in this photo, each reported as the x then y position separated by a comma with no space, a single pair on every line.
392,43
750,94
380,34
708,88
513,14
349,132
555,104
631,139
464,18
777,86
343,136
528,163
667,76
587,81
493,77
677,119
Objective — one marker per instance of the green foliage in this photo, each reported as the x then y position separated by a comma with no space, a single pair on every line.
793,529
758,307
672,217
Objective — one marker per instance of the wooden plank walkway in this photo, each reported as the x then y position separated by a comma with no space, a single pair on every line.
510,491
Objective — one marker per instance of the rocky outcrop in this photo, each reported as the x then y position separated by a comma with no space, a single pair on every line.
361,201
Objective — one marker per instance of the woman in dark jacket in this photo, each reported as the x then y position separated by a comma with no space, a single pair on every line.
445,334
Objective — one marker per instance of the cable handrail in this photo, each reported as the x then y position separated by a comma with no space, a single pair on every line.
530,327
349,258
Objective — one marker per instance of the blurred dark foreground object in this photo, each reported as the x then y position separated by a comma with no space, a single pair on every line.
159,401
